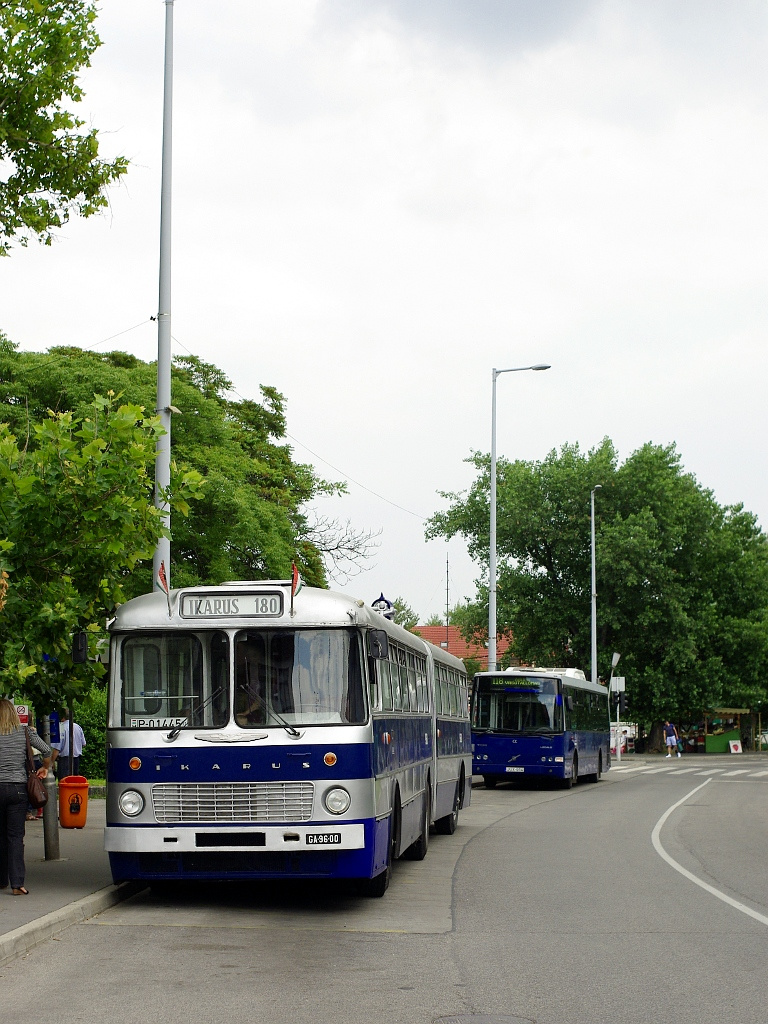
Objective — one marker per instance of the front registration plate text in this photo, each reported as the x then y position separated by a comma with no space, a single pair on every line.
514,769
323,838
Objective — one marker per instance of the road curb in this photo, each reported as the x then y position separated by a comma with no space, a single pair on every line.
23,939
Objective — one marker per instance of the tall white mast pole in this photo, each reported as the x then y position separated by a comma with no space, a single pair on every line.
162,554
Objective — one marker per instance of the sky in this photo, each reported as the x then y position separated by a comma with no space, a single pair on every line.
376,202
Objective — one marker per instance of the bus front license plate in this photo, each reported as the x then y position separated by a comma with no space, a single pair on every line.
323,838
514,769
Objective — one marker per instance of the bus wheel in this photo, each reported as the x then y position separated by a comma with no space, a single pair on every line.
447,826
418,850
574,776
378,885
490,781
596,776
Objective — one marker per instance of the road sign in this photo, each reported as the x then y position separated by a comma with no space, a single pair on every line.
618,684
22,710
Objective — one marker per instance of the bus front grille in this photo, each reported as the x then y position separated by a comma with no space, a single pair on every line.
232,801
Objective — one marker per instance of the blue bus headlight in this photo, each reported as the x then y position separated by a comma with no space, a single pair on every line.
131,803
337,800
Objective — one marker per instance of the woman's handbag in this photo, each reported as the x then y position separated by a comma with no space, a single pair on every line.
37,794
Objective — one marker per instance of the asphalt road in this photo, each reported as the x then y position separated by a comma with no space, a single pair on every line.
582,906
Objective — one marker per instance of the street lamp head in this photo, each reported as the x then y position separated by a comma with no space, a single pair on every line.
597,487
518,369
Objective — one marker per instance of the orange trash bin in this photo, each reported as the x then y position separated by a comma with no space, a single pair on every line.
73,801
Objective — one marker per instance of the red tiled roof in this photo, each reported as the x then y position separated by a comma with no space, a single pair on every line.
450,639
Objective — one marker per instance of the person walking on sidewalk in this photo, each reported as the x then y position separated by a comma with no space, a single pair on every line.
13,794
671,738
61,749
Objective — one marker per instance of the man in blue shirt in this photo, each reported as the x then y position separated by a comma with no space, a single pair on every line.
671,738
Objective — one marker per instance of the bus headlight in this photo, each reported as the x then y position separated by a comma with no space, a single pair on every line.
337,800
131,803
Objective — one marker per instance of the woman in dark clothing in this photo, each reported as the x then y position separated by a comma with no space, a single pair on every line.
13,794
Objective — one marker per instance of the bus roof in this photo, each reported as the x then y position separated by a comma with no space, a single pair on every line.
312,606
573,676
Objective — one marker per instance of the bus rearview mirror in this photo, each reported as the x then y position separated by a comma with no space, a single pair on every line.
378,644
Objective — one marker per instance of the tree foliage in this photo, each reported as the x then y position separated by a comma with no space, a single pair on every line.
51,166
682,582
251,520
405,616
76,516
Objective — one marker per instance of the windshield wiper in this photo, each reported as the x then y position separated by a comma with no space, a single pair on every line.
198,710
253,695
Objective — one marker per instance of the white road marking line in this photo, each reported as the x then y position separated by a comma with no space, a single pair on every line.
684,771
655,771
739,771
711,771
688,874
756,775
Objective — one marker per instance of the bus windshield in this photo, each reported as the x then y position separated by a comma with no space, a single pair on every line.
171,680
299,677
526,704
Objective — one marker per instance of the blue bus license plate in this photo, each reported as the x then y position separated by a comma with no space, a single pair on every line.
323,838
514,769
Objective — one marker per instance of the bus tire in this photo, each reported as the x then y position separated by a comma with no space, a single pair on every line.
378,885
490,781
418,850
447,826
596,776
573,778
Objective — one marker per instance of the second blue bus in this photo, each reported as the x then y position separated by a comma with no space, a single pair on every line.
548,723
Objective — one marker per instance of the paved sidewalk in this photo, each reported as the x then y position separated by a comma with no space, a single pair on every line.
61,892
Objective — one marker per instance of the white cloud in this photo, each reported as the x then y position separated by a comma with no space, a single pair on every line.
376,203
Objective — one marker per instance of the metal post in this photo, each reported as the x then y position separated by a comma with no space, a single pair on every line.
614,662
163,464
51,810
492,533
492,539
597,487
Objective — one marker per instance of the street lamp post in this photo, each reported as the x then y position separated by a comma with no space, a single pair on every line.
597,487
492,538
162,554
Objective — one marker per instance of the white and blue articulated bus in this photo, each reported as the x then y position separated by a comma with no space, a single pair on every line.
252,735
546,722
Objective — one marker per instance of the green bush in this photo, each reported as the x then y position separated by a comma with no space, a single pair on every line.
91,715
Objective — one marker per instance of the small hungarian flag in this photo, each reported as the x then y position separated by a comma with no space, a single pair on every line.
296,583
161,581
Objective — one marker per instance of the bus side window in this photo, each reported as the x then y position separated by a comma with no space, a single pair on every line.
383,668
445,700
403,668
394,675
413,696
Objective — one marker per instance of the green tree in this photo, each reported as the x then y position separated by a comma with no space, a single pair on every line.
51,163
251,521
682,582
405,616
76,515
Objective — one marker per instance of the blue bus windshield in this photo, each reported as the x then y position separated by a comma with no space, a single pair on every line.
519,704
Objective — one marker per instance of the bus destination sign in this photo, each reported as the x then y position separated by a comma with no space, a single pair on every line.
215,606
526,683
